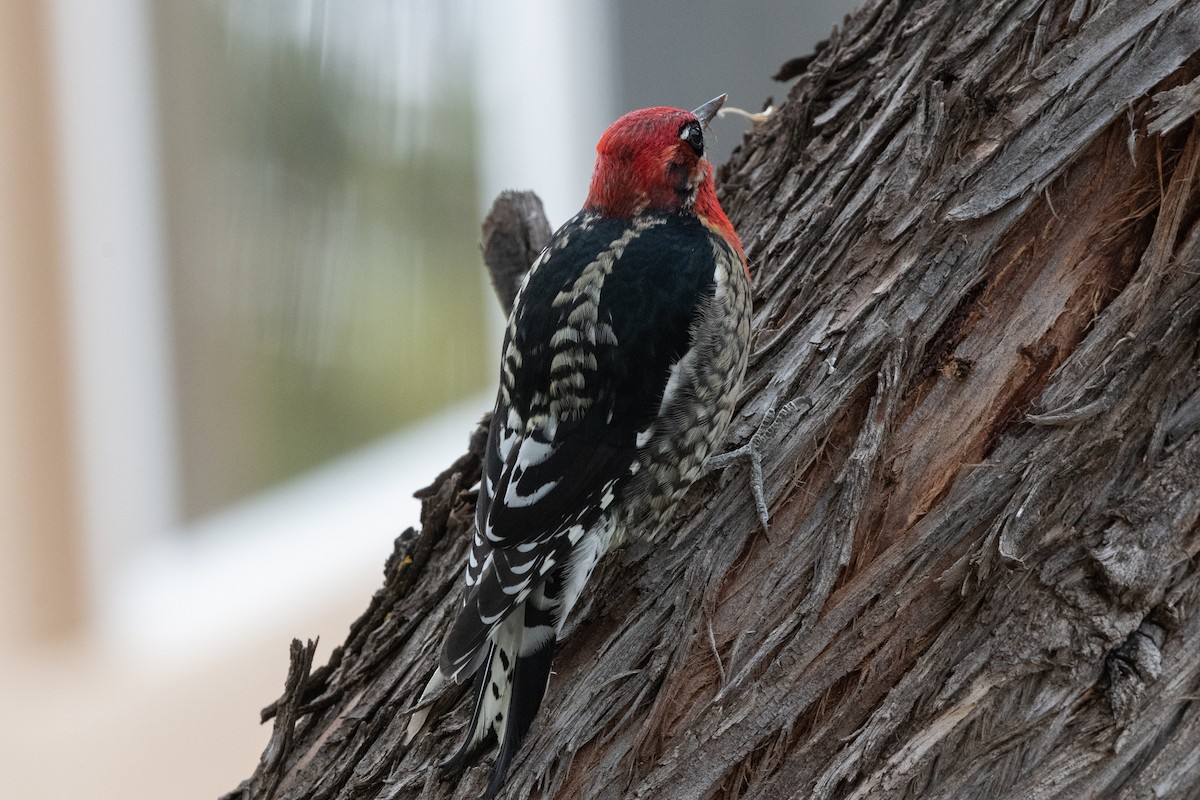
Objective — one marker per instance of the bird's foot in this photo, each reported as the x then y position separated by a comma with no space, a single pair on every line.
752,451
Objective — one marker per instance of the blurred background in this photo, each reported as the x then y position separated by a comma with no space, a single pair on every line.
243,317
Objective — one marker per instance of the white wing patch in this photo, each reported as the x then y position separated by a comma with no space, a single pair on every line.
583,560
680,371
534,448
608,496
678,376
514,499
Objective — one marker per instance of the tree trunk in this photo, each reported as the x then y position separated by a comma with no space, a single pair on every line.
974,231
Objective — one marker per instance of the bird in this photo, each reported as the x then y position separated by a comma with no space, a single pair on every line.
622,360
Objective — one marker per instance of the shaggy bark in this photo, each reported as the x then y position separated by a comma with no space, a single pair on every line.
974,231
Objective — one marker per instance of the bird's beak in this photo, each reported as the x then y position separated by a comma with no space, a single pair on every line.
706,112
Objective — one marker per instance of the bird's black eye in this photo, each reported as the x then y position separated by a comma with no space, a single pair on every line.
690,132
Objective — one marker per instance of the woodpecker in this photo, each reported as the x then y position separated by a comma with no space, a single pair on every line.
624,353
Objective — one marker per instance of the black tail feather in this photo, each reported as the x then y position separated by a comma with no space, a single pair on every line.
469,747
532,673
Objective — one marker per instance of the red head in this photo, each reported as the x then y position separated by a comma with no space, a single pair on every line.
654,160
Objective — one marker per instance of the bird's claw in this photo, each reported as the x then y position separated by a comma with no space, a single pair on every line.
752,452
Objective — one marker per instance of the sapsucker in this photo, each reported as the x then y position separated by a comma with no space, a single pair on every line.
623,357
